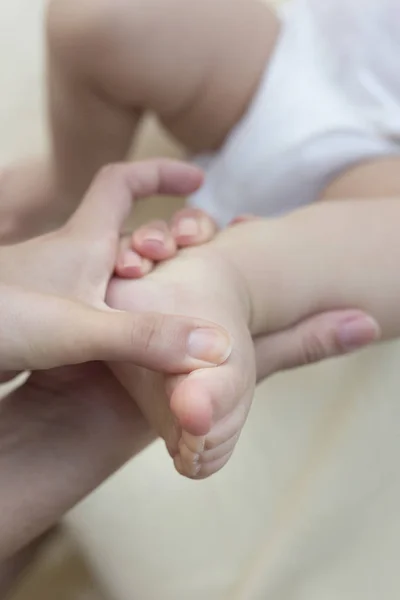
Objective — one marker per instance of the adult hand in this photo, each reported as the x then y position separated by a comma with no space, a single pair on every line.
78,425
317,338
320,337
52,291
61,435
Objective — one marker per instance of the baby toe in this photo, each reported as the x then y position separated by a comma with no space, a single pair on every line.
192,406
194,443
183,469
210,468
196,461
228,429
215,450
189,460
211,400
198,470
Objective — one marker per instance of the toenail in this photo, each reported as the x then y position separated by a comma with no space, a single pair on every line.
209,345
188,227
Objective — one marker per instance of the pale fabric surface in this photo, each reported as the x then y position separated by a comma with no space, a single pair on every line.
329,99
308,507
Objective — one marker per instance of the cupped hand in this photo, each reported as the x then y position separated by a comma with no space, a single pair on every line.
52,288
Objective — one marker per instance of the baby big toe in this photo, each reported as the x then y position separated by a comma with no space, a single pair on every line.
192,406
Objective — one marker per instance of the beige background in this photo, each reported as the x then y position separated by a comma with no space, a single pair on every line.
308,508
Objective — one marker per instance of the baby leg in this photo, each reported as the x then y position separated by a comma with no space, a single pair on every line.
371,179
195,64
27,200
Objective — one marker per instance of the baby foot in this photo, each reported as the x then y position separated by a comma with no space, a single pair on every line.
200,414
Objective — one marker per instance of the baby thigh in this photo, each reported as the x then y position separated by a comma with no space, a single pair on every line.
370,179
195,63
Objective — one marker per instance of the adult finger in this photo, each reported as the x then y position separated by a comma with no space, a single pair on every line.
109,199
192,226
315,339
40,331
154,240
131,264
168,343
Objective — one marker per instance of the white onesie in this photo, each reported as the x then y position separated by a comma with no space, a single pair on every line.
329,99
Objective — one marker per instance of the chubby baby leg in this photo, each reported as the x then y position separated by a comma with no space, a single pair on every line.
195,64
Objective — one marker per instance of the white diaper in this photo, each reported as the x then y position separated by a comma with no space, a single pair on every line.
328,100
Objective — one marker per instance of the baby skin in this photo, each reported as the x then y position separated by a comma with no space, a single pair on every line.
199,415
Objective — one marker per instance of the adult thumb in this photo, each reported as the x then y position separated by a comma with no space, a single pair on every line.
167,343
41,331
317,338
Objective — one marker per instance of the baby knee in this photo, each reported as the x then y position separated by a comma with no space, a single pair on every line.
78,29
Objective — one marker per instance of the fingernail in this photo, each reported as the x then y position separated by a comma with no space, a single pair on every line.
132,260
188,227
209,345
155,235
357,332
